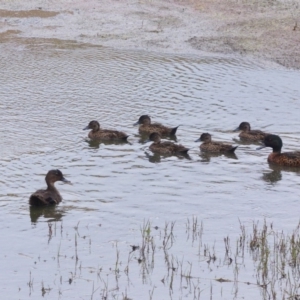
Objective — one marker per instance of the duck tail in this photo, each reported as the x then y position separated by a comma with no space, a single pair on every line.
34,201
233,149
125,138
173,130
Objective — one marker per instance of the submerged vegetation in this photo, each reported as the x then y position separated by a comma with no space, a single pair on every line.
181,261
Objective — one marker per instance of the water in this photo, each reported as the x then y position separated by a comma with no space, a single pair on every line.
50,93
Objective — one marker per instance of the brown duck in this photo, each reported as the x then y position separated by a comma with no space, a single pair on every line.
97,133
214,147
250,135
50,195
287,159
147,127
167,148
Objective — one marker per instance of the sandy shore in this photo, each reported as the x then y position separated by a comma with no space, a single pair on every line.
264,29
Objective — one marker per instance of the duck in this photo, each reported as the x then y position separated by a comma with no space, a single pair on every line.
214,147
167,148
97,133
146,127
250,135
49,196
287,159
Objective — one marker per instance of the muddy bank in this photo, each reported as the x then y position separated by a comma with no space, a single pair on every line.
263,29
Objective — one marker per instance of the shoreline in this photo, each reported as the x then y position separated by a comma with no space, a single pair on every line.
265,31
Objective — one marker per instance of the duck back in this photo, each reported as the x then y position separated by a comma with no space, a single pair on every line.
288,159
159,128
253,135
216,147
168,148
108,135
45,197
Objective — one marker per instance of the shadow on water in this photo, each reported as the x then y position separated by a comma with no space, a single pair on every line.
96,144
51,213
206,157
276,173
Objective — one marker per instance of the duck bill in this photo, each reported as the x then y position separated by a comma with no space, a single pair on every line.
237,129
261,147
136,123
86,128
64,180
198,140
147,141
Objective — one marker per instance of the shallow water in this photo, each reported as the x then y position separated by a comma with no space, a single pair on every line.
49,94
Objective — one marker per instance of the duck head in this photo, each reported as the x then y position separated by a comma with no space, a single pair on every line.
244,126
143,120
94,125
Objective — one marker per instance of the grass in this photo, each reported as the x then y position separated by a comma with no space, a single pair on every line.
183,262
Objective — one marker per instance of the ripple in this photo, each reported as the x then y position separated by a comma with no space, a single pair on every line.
48,96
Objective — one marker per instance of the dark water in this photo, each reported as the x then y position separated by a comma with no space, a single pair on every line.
48,96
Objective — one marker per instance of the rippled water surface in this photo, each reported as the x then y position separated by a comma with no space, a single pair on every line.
82,248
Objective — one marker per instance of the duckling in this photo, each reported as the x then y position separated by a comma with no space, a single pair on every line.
214,147
50,195
287,159
250,135
104,134
165,147
146,127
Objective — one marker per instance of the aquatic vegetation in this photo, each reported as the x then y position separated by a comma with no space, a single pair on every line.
175,259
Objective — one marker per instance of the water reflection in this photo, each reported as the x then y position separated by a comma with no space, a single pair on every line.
156,158
96,144
276,173
272,177
51,213
143,137
245,142
206,157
